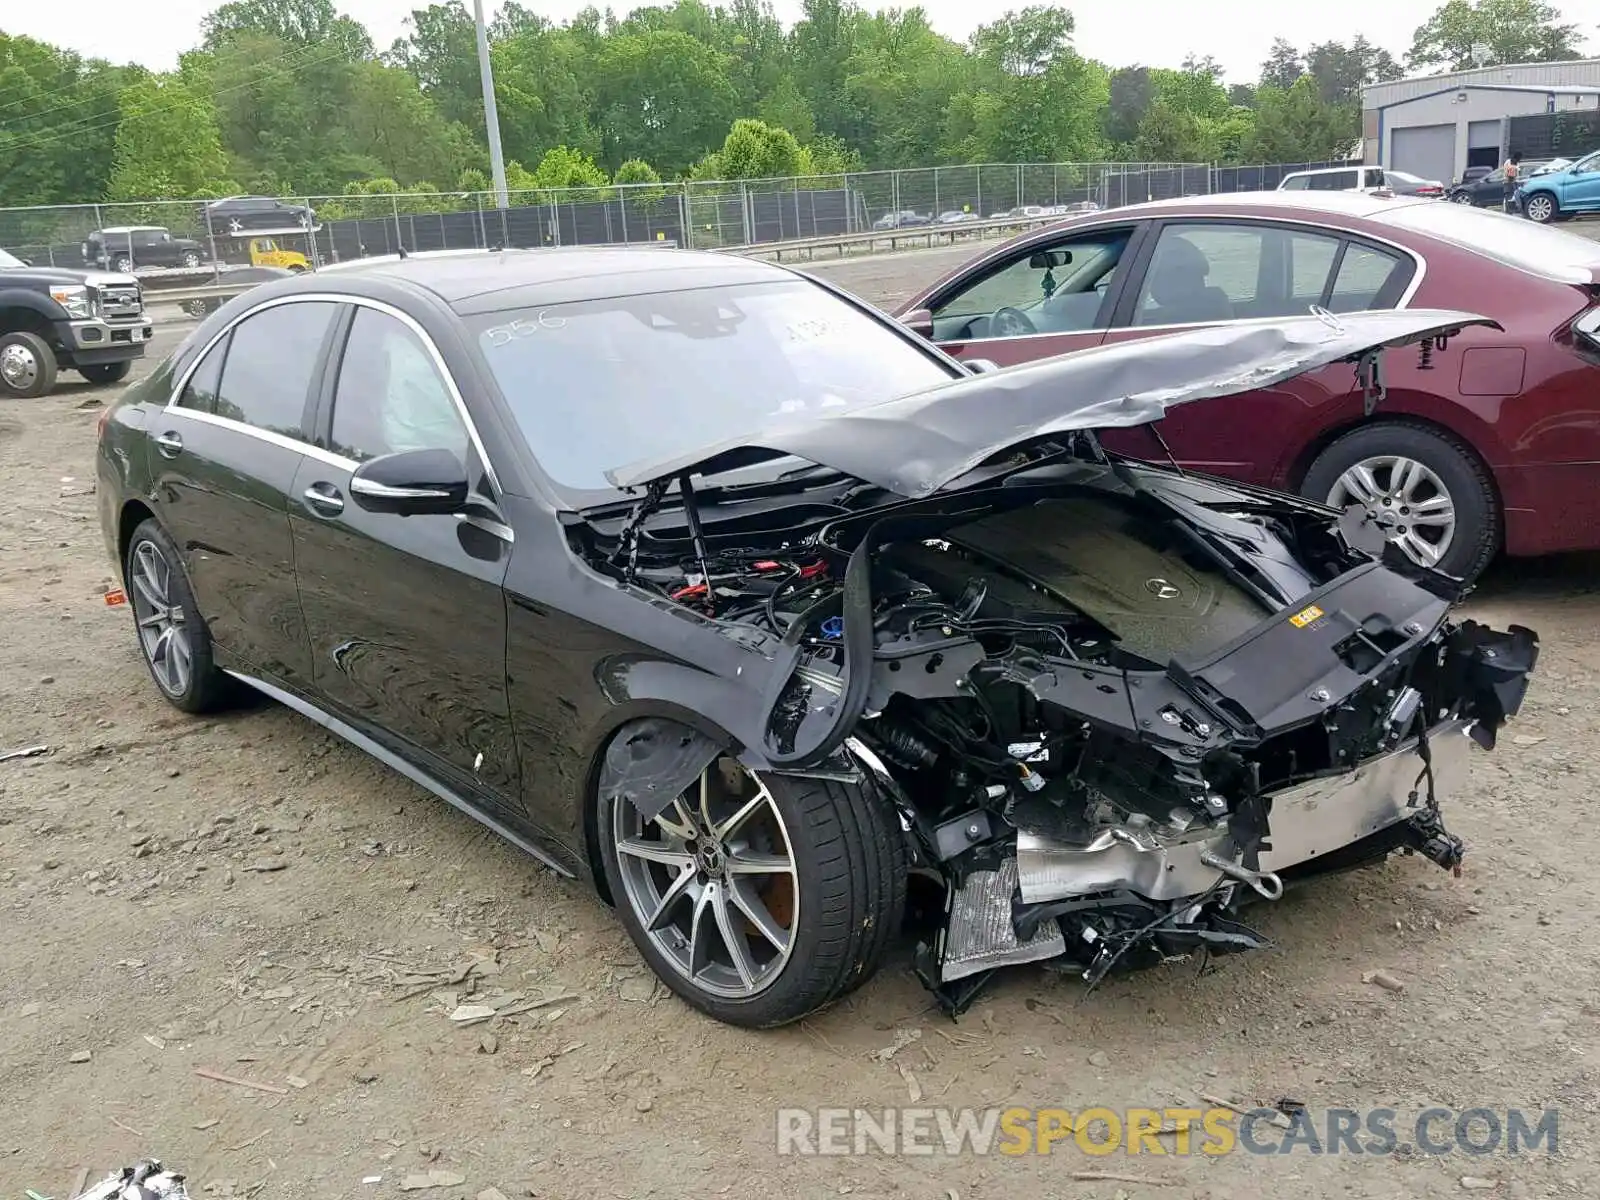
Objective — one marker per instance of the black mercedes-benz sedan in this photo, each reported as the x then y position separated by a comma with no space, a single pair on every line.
708,584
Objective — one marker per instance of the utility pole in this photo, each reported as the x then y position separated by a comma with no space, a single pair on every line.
491,114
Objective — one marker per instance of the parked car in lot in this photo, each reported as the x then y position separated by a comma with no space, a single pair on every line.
745,657
1360,179
956,216
1557,195
901,220
1487,443
125,248
1489,189
54,319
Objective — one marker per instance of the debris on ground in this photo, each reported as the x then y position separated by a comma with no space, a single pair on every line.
437,1178
902,1039
23,752
1474,1183
219,1077
1386,981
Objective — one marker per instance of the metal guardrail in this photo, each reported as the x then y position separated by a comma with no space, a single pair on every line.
895,239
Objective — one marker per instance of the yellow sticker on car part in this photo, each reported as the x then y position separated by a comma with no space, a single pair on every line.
1305,616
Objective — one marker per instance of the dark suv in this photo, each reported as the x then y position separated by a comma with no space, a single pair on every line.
125,247
53,319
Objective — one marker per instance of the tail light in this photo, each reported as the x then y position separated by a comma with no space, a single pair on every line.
1430,191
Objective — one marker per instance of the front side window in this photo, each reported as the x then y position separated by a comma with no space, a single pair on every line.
1059,288
601,384
390,397
271,358
200,393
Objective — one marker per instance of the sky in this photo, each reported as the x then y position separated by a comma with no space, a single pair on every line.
1160,33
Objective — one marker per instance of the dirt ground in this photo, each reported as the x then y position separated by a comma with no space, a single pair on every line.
249,896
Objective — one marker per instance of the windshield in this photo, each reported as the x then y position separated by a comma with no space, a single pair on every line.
1538,249
7,259
604,383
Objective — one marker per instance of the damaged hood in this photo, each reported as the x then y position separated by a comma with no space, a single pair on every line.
916,444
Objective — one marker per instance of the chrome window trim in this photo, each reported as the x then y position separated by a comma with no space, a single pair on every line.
1404,302
317,452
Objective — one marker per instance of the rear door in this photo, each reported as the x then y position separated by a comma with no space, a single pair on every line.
224,455
406,615
1207,272
1049,296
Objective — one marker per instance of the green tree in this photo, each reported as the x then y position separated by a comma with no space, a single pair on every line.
1342,70
563,167
1283,66
441,51
296,23
660,93
167,142
1294,125
1130,93
58,122
636,170
1511,31
756,150
390,124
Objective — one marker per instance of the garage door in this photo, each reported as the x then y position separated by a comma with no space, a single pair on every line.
1425,150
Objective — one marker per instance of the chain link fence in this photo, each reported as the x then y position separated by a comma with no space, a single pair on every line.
1265,177
305,232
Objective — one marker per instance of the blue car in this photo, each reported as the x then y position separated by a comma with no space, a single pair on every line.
1556,195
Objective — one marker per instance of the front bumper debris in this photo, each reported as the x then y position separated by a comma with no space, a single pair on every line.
1092,903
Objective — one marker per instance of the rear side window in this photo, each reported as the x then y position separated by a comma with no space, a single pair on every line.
1297,183
1367,279
200,393
1333,181
271,359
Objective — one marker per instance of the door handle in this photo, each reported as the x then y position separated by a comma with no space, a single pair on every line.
324,499
169,444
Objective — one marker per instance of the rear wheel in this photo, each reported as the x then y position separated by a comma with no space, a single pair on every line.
758,898
27,365
1541,207
107,372
173,637
1462,197
1428,492
191,259
122,263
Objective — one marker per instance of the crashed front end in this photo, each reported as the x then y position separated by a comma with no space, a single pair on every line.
1113,704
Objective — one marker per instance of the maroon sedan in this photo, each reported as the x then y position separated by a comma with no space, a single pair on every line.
1491,441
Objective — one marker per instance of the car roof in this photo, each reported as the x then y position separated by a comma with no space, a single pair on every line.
1336,204
491,280
131,229
1329,170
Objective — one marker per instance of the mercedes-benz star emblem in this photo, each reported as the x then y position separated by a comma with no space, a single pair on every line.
1161,589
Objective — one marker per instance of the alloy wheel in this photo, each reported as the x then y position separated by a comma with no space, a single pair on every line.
19,367
1541,209
712,881
1462,197
1406,499
163,631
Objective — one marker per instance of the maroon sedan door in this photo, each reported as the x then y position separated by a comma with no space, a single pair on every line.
1046,297
1200,272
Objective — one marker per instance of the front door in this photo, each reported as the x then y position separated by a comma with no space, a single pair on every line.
405,614
1047,297
1582,191
224,458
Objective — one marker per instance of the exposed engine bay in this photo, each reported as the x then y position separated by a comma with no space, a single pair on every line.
1112,703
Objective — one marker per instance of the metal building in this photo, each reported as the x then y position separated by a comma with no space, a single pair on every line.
1436,126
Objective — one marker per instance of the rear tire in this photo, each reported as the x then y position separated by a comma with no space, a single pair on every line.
173,638
107,372
191,260
27,365
122,264
844,894
1448,469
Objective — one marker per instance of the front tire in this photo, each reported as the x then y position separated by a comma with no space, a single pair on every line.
27,365
1542,208
1435,498
107,372
122,264
758,898
191,260
173,638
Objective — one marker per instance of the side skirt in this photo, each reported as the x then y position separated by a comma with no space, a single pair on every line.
399,765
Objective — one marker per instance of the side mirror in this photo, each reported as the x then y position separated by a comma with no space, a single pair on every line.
920,322
411,483
1048,260
980,366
